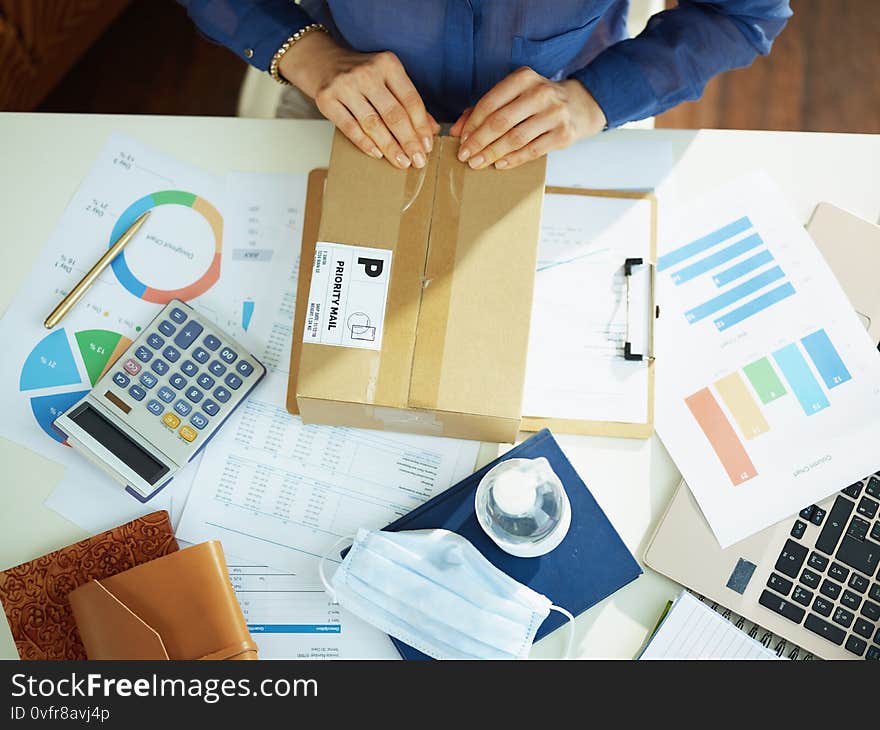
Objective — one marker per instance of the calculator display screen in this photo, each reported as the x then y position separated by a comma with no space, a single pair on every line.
117,443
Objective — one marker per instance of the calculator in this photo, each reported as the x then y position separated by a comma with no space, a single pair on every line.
164,398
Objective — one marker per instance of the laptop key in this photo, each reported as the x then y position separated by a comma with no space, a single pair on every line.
830,589
818,562
873,487
779,584
873,654
856,645
810,579
871,611
838,572
834,525
853,490
875,531
874,594
867,508
824,629
820,605
863,628
807,512
798,529
843,617
863,556
791,558
781,606
802,595
858,583
851,600
858,528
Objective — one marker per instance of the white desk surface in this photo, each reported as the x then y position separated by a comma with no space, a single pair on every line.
43,158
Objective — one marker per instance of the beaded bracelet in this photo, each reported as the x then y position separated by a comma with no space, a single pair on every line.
286,46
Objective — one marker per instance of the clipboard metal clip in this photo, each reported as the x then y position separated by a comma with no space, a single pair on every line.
628,353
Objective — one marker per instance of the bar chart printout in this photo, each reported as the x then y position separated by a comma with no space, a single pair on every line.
721,435
746,287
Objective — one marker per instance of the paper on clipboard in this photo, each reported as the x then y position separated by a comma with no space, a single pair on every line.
577,379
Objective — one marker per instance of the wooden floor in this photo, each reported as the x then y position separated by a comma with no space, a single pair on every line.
823,74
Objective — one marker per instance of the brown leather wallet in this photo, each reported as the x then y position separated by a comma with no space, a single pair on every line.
181,606
34,594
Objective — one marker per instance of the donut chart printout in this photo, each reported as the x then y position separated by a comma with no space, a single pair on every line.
182,251
768,385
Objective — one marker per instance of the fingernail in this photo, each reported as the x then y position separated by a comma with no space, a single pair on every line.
476,161
376,152
429,145
402,160
419,159
501,164
463,154
464,137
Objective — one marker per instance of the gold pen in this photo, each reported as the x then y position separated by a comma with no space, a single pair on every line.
75,294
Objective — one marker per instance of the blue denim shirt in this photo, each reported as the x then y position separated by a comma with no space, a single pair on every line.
456,50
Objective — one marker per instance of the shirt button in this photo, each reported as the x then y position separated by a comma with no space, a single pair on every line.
248,52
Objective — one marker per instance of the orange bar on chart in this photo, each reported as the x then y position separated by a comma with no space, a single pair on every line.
740,403
725,442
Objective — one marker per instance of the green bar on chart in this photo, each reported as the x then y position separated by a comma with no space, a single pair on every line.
764,380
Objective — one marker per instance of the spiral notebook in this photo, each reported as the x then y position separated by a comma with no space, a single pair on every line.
589,565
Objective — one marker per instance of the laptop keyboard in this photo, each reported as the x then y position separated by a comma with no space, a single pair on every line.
826,576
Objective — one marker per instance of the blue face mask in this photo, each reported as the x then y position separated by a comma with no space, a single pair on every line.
436,592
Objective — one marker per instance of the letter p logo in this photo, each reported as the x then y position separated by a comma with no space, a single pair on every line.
372,267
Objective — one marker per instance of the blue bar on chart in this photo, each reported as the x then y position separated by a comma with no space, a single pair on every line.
747,266
799,376
701,244
826,359
734,295
758,304
716,259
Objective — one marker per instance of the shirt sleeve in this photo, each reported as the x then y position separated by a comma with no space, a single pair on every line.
678,52
253,29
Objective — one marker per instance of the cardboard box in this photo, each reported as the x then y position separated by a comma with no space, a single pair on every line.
420,321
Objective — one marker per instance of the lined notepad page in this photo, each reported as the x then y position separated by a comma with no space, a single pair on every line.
692,630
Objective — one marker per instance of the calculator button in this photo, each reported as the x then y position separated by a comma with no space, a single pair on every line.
155,341
178,382
170,420
148,380
222,394
178,315
160,367
233,381
244,368
210,407
218,368
131,367
155,407
206,381
201,355
228,355
171,354
188,335
189,368
182,407
166,394
144,354
198,420
194,394
211,342
187,434
166,328
121,379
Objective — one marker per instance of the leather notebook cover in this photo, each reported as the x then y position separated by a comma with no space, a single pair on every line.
180,606
589,565
35,594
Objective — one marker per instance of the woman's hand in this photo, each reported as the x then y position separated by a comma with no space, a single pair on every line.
367,95
523,117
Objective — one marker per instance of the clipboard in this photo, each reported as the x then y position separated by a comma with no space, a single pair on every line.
312,216
615,429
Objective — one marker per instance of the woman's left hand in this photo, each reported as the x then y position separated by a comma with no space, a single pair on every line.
523,117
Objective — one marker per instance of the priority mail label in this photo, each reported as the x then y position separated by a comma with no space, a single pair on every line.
347,296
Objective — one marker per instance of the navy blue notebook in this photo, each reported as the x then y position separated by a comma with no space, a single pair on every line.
589,565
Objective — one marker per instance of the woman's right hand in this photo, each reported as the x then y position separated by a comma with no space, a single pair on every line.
368,96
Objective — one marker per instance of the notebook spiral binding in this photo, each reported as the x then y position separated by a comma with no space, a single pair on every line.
780,646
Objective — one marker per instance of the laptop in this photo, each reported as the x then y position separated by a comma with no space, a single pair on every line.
811,579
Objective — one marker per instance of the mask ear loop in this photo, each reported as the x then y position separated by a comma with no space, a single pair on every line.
569,644
321,574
